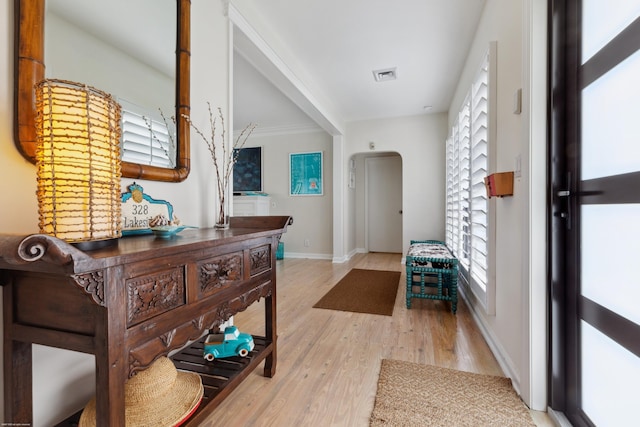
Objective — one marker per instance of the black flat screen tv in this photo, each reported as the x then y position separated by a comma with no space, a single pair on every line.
247,172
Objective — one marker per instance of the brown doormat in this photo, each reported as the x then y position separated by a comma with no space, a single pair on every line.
363,291
411,394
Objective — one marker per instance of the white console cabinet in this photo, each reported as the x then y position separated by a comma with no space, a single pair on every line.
251,205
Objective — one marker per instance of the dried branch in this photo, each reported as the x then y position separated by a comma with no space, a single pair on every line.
229,154
154,137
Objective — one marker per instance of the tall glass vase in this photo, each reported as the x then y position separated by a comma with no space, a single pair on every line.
222,214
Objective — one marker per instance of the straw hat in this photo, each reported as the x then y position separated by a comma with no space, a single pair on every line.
157,396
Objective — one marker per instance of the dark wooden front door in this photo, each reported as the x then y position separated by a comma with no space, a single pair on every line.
595,213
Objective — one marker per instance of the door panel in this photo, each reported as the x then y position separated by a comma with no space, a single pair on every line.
610,131
607,398
384,203
608,224
610,257
602,21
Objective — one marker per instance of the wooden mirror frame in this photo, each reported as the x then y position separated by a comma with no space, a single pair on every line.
29,70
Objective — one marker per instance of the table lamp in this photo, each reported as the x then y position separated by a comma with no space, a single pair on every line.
78,163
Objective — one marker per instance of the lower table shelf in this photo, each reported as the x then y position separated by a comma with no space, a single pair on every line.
219,377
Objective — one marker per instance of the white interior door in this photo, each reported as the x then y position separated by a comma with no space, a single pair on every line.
384,203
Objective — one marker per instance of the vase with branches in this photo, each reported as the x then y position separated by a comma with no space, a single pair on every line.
217,144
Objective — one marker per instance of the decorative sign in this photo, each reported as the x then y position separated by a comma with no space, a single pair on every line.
305,174
140,211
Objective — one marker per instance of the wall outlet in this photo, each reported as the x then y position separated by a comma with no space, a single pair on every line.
306,243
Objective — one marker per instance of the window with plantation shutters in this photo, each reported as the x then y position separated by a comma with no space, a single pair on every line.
146,140
468,217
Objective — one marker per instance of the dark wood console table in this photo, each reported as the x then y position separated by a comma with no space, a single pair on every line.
134,302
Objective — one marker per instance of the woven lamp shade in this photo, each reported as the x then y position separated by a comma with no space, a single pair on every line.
78,162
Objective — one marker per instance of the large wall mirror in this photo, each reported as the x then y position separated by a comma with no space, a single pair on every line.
142,58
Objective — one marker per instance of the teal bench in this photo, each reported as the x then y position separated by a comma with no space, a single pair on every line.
432,272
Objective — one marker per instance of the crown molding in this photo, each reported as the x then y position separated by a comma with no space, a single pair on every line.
283,130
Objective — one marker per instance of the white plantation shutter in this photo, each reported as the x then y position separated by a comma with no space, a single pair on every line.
479,168
450,228
145,142
455,189
467,216
464,207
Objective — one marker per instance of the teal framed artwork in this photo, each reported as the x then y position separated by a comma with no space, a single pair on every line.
305,174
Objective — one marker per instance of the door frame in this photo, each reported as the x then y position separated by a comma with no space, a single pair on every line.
562,57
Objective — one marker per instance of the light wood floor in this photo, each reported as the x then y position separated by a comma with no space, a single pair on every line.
328,361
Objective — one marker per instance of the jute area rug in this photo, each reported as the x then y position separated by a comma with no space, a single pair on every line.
363,291
411,394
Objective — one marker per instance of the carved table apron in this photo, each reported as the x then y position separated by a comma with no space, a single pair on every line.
132,303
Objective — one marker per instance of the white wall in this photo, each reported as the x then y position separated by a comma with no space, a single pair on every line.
312,215
62,380
501,22
420,141
508,331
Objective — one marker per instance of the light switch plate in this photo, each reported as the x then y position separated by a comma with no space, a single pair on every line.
517,102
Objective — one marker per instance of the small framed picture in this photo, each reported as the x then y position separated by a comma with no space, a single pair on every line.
305,174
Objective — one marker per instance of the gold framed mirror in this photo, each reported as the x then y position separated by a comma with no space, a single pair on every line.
30,69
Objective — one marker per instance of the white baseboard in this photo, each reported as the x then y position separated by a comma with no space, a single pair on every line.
352,253
345,258
498,351
340,260
307,255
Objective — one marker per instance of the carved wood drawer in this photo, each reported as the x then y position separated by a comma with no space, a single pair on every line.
260,258
155,293
215,274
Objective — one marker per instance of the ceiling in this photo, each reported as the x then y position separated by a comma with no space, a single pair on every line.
337,44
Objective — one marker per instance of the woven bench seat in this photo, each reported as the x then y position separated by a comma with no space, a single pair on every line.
433,270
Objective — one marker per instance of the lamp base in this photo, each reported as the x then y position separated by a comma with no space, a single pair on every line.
95,244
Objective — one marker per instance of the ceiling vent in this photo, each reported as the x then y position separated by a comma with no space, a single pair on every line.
385,75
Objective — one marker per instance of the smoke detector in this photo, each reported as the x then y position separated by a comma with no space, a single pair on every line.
385,74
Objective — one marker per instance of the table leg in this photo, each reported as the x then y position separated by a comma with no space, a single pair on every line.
112,363
18,403
454,291
271,333
110,380
409,292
